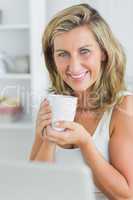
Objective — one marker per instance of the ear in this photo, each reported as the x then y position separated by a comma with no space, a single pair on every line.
103,57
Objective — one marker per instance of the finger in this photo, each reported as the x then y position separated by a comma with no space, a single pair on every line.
62,143
45,109
44,105
51,139
60,136
44,124
66,125
44,102
55,140
44,112
45,117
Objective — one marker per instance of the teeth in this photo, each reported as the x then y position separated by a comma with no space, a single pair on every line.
78,76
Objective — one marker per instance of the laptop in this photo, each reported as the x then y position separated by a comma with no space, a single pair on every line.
25,180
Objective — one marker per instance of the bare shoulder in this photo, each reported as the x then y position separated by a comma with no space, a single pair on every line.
122,115
126,106
121,139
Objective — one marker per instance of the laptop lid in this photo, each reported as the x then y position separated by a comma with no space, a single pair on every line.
44,181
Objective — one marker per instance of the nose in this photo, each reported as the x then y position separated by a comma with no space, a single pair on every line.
75,66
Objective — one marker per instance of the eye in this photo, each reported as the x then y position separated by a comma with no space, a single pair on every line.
63,54
84,51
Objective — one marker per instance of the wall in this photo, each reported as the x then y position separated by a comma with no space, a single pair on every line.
119,15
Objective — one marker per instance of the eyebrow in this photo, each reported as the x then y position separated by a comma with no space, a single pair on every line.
57,50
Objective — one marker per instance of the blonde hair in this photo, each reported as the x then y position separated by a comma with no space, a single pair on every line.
104,92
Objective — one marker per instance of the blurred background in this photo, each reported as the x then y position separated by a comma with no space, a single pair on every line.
23,76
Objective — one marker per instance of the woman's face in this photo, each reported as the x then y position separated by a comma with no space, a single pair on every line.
78,58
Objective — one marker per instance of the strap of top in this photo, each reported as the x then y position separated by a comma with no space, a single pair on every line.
125,93
121,93
106,118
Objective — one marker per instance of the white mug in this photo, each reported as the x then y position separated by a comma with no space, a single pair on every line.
63,108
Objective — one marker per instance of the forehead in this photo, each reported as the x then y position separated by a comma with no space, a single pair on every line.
76,37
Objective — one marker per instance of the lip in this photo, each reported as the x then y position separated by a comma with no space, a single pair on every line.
77,74
79,77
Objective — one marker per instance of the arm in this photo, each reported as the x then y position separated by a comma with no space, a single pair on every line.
115,179
46,152
36,146
42,150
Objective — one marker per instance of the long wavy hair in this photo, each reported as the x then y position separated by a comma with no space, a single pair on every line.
104,92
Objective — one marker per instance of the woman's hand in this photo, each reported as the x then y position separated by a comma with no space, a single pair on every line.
74,134
44,119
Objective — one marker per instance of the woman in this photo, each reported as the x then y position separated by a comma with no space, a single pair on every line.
84,59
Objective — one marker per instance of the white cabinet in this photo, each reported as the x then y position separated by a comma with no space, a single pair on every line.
15,65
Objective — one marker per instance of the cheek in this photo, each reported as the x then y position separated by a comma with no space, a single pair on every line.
60,63
94,62
61,66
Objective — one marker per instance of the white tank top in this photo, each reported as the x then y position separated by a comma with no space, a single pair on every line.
101,140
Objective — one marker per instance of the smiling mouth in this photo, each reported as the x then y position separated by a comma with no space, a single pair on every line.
80,76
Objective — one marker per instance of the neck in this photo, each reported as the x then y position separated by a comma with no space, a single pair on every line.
82,99
80,94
